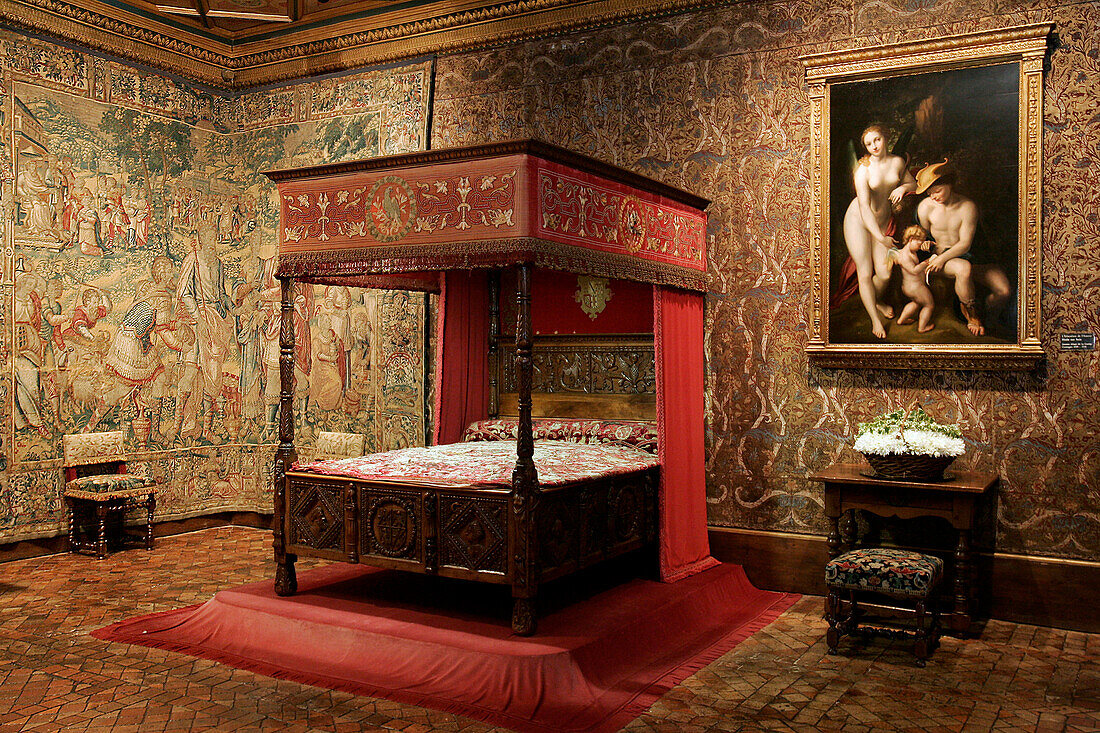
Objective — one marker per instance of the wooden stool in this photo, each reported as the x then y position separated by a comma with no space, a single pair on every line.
90,513
901,575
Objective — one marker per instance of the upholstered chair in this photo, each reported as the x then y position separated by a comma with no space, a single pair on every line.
99,492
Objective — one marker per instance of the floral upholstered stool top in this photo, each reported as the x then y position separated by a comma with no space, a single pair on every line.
99,492
903,575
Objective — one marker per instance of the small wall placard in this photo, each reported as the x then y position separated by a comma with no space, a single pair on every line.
1077,341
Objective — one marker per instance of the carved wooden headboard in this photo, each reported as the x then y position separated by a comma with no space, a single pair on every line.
599,376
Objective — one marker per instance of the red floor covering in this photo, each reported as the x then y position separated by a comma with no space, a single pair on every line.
603,652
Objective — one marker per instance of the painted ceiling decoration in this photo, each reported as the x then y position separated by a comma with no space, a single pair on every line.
240,44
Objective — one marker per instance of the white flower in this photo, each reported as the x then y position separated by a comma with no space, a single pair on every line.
913,442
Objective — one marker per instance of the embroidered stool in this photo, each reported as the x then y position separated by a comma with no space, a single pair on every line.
99,492
901,575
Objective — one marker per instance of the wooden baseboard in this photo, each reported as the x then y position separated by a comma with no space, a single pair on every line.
1027,590
774,560
60,543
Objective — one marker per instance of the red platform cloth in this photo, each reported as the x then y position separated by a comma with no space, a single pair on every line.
593,666
462,362
678,324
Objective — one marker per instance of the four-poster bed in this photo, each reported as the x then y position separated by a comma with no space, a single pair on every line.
449,221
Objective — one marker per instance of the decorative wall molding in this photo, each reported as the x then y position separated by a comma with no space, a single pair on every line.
238,64
1005,44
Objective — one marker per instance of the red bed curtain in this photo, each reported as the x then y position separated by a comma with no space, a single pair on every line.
678,336
462,348
462,397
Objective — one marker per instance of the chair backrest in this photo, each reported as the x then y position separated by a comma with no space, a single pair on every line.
339,445
93,453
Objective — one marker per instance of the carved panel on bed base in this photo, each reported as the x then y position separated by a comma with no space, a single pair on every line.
625,514
455,533
559,522
593,530
582,525
390,524
315,517
651,526
469,533
473,534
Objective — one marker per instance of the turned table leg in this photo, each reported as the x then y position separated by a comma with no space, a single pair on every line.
72,523
848,530
960,620
834,537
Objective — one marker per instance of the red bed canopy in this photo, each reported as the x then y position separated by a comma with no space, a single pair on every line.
437,220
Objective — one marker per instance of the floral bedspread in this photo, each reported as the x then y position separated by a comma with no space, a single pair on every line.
485,464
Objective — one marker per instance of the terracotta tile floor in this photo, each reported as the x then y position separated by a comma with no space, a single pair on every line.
54,677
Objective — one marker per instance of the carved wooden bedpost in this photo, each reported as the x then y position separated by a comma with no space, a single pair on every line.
524,477
286,581
494,343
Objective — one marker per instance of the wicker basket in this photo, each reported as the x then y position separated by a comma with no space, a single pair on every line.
908,466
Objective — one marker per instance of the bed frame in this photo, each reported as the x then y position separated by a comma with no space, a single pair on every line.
527,535
474,534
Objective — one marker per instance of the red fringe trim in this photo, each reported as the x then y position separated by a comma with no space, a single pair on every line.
687,571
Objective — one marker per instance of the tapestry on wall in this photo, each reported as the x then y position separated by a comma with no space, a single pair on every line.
141,288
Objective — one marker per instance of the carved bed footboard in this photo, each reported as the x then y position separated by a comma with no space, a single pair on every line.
465,533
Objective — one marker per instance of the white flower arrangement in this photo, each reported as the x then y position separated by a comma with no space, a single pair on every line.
909,433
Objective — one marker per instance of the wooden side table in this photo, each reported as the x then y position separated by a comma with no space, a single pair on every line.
848,488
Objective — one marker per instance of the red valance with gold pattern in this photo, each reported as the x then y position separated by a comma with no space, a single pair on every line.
377,221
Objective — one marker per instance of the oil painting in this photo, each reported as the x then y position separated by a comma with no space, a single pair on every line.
924,247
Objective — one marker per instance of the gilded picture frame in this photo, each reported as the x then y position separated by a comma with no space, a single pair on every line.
926,177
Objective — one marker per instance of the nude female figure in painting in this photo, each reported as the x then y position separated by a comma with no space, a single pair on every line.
881,181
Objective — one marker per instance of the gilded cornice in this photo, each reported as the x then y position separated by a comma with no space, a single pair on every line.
122,36
1028,41
337,46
